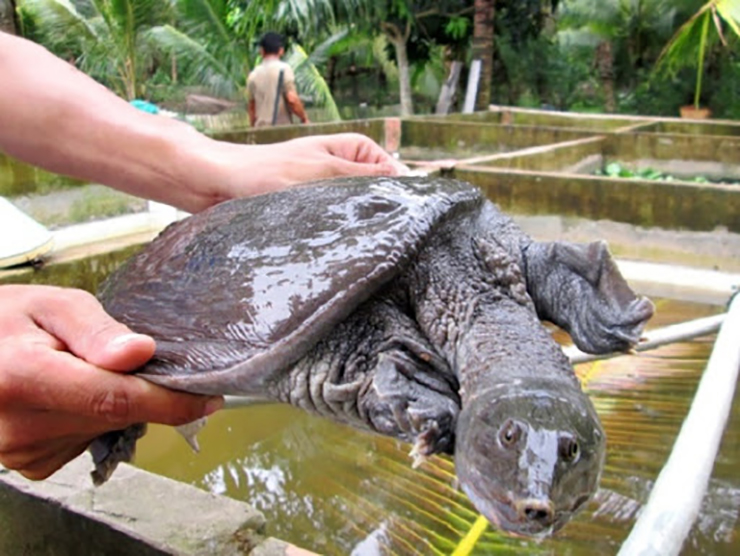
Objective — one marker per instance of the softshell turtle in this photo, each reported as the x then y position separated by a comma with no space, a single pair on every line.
406,306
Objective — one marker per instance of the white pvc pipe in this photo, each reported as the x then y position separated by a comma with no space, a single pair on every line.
235,402
656,338
675,500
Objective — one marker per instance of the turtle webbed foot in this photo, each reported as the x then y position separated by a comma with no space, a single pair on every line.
579,288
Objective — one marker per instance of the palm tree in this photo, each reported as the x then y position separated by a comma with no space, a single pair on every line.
8,17
107,40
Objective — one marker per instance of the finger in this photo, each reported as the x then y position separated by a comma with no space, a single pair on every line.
342,167
58,381
365,156
41,468
76,318
23,456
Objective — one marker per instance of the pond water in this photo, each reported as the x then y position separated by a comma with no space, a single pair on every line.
17,178
335,490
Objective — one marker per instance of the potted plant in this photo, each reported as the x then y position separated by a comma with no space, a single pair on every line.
693,40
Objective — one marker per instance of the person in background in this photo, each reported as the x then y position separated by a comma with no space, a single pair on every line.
64,362
271,87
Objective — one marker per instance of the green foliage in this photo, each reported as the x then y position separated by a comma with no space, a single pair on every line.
310,82
207,49
619,170
106,38
541,72
725,86
699,36
458,27
656,94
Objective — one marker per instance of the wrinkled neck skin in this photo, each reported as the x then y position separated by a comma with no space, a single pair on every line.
505,347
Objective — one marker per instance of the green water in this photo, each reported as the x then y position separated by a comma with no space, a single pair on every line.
17,178
339,491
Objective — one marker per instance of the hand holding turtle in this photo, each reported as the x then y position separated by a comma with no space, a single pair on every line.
245,170
62,379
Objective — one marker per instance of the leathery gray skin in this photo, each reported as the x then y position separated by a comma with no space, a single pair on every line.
432,334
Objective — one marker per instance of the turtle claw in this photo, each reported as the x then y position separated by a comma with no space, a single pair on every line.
418,453
432,439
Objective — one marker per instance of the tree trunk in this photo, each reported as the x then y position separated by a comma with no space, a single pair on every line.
398,40
404,77
9,17
605,67
483,49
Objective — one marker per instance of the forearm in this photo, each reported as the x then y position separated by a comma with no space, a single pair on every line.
73,126
252,109
296,106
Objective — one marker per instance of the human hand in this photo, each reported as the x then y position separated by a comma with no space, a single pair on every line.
62,379
243,170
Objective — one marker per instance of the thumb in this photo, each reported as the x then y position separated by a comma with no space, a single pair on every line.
79,321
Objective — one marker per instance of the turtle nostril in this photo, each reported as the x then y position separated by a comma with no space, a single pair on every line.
537,511
536,514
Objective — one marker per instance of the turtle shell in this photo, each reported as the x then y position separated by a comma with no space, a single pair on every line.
241,291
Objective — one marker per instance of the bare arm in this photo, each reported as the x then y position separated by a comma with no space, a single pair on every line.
252,109
296,106
56,117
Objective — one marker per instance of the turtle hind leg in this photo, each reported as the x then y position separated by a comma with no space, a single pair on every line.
579,288
112,448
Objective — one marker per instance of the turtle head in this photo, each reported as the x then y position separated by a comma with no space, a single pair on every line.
529,457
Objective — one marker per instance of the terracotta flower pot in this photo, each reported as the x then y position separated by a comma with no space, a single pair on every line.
691,112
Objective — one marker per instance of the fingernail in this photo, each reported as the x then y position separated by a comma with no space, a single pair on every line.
124,339
213,405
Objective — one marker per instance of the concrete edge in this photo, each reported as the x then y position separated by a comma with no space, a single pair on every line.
136,512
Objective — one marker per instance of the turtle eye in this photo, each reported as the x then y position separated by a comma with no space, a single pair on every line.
570,449
509,433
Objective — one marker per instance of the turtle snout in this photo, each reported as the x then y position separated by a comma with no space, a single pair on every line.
536,512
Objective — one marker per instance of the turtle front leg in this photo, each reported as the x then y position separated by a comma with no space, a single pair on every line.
377,371
396,403
579,288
